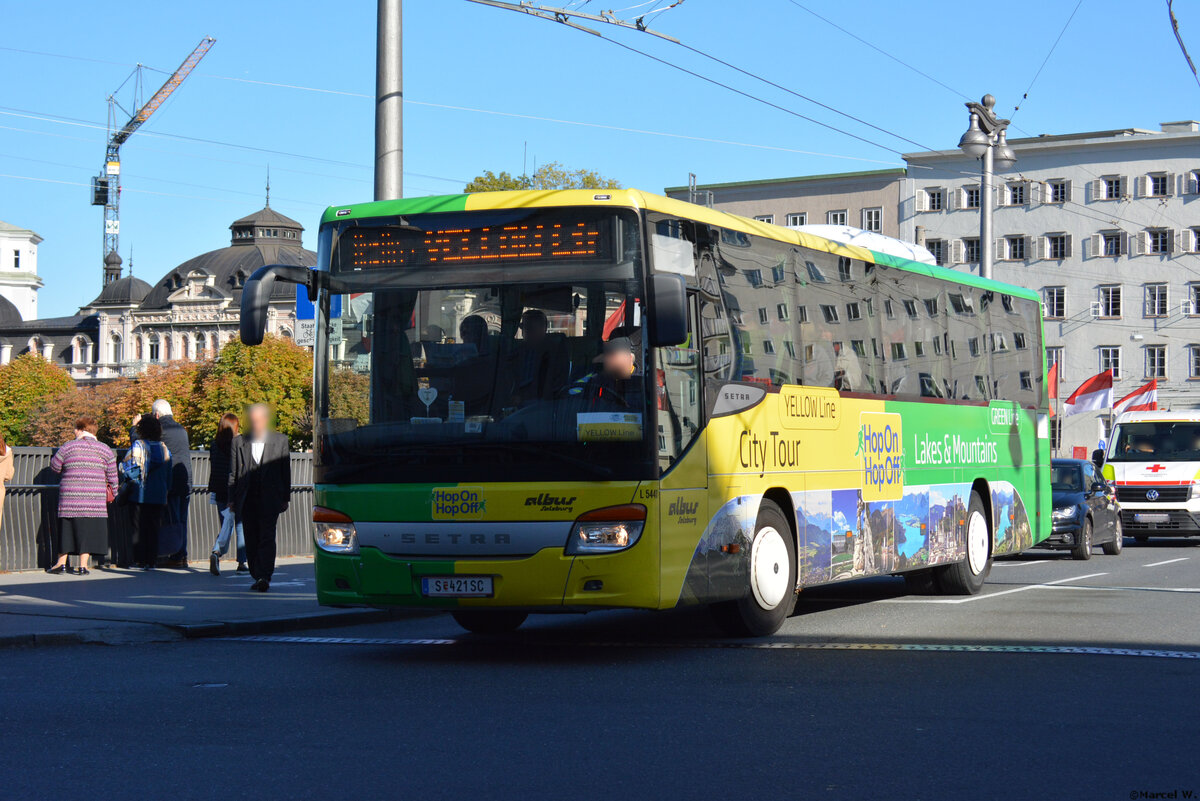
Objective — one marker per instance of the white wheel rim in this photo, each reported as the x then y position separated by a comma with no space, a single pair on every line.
770,567
977,542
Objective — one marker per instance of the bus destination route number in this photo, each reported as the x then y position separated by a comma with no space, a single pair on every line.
457,587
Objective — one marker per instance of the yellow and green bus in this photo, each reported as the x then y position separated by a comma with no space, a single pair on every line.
562,401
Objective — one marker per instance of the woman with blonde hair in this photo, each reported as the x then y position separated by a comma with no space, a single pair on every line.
89,483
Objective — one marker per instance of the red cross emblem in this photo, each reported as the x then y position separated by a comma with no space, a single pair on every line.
1154,468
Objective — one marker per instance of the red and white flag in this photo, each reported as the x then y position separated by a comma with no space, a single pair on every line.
1142,399
1093,395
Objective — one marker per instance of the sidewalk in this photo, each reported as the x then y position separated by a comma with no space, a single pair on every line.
118,606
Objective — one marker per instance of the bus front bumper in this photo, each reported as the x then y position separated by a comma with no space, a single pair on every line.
547,580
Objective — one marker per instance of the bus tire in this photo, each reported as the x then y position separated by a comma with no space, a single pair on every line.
1083,550
967,577
771,578
488,621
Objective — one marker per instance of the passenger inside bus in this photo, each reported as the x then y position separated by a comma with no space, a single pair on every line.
541,363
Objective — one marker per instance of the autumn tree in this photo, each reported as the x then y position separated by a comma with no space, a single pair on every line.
53,422
277,372
26,383
174,382
552,175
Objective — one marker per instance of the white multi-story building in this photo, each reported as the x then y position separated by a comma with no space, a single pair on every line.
1106,226
19,281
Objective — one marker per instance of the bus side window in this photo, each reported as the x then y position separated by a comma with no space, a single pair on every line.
677,393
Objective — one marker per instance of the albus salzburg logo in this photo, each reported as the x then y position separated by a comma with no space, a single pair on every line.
880,439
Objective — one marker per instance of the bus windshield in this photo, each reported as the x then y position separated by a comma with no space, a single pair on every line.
486,347
1157,441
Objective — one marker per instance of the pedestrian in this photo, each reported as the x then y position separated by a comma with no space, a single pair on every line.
260,486
6,473
174,531
147,466
220,460
88,485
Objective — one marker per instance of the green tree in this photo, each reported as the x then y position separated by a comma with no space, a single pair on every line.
26,383
277,372
552,175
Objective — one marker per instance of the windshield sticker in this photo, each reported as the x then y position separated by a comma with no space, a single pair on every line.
608,427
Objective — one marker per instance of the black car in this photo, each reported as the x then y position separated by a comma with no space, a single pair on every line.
1085,510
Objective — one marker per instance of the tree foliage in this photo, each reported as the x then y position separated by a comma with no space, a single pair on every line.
53,422
552,175
26,383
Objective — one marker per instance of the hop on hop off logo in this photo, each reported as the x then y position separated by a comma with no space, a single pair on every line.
880,446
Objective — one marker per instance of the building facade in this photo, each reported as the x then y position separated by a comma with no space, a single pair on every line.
19,281
1106,226
190,313
867,200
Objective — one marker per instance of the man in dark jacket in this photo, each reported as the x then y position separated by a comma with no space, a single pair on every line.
175,522
260,486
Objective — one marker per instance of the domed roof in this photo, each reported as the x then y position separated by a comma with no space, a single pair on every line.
127,291
113,259
8,312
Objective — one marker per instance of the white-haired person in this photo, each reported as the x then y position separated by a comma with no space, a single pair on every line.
173,535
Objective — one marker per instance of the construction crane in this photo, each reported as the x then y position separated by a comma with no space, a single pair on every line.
106,187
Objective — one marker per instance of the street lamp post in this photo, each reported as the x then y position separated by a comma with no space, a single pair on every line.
986,139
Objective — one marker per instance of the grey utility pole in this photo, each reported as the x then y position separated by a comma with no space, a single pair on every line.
389,103
986,138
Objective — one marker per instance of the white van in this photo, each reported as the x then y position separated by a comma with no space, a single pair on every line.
1154,461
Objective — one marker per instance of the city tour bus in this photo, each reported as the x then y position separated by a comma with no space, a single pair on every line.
548,401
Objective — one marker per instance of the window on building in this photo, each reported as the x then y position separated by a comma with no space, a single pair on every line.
899,352
768,347
1112,243
1158,186
1016,194
1156,300
836,217
1058,246
971,197
1156,361
910,308
1193,304
872,220
935,199
1113,187
937,346
859,347
1056,192
1026,380
971,249
778,273
853,312
814,272
789,347
1158,241
1019,341
829,312
1054,301
767,218
888,310
1110,359
754,278
1110,301
798,218
1016,248
762,316
931,306
155,352
973,346
938,248
918,348
1188,239
1193,361
115,355
781,311
1054,355
844,273
802,314
16,259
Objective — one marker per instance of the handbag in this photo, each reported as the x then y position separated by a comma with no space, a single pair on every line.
109,493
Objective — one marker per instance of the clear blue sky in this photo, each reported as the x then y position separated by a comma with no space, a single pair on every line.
1117,66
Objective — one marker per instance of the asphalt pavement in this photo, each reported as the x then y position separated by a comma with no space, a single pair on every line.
1062,680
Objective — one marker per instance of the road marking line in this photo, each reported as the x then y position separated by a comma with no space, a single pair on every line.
970,598
1168,561
1020,564
1132,589
765,646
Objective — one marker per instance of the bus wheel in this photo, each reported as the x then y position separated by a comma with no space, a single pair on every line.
486,621
771,595
967,577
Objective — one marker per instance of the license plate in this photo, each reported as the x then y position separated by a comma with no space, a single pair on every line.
1159,518
456,586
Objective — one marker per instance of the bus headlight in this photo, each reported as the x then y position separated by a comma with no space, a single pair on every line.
613,528
1066,513
333,531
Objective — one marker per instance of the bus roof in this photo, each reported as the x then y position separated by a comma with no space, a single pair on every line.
634,198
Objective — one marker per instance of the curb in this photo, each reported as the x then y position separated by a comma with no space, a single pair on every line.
141,632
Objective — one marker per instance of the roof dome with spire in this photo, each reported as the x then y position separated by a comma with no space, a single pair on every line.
264,237
127,291
8,312
113,259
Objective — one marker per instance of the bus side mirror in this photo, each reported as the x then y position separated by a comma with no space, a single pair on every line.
256,295
670,323
1098,458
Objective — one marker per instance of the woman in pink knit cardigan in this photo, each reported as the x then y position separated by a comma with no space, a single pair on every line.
89,476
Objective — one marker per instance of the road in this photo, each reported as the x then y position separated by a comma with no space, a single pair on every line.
1062,680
